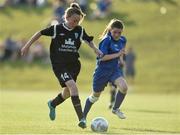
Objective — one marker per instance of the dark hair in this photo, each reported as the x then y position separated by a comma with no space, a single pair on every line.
74,9
114,23
75,5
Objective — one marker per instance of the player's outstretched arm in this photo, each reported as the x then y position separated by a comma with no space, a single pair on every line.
96,50
112,56
26,47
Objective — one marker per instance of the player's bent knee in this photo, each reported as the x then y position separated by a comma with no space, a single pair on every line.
124,88
93,99
66,95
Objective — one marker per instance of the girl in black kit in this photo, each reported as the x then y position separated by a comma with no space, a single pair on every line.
65,43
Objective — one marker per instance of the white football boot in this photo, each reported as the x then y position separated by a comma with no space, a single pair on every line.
119,113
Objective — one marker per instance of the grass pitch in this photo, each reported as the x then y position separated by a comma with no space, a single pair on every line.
155,38
26,112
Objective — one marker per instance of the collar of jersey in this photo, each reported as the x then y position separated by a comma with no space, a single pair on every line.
109,34
64,25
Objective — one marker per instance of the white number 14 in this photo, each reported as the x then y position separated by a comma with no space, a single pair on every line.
64,76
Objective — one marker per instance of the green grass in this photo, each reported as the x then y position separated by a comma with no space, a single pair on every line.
152,106
27,112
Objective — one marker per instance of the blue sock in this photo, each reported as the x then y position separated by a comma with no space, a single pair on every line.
119,99
87,107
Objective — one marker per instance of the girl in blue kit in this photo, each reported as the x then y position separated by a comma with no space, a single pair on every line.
112,46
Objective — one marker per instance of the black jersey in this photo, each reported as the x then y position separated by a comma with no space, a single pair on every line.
65,42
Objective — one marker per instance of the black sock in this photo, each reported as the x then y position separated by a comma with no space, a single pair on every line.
57,100
87,107
119,99
77,106
112,98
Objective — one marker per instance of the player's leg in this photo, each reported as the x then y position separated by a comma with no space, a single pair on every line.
74,70
75,97
90,101
112,94
122,90
100,80
62,76
76,102
60,98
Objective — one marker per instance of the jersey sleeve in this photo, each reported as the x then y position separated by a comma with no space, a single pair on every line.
104,45
48,31
85,36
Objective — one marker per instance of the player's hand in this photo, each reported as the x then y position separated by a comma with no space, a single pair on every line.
24,50
121,52
98,52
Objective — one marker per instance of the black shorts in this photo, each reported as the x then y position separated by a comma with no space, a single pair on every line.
66,71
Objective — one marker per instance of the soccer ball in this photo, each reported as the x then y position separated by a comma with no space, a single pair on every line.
99,124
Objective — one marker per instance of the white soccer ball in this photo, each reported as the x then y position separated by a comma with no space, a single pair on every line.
99,124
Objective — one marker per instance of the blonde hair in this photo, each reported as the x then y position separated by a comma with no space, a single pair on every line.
74,9
114,23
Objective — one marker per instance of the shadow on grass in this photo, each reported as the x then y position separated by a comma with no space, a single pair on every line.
152,111
148,130
89,132
101,133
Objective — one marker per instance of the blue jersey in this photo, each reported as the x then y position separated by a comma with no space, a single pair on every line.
108,71
109,46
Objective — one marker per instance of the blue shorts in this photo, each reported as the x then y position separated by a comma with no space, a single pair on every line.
104,75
